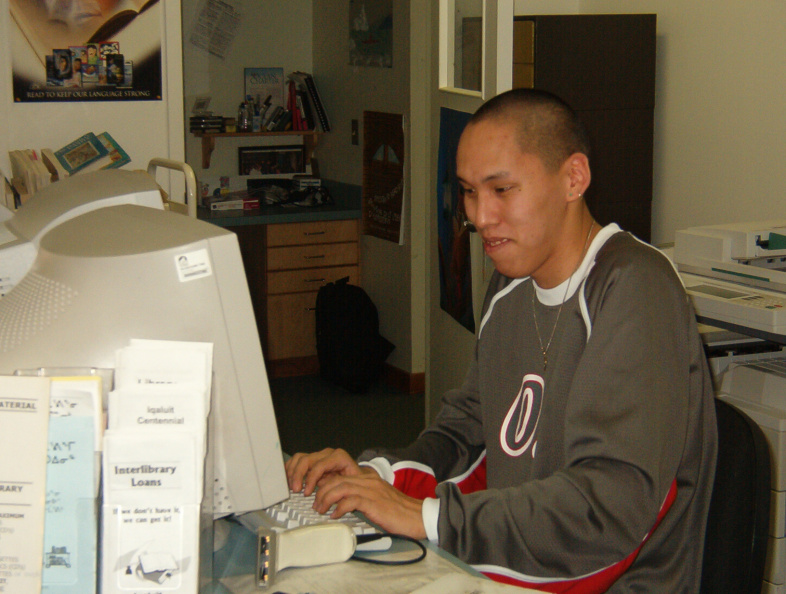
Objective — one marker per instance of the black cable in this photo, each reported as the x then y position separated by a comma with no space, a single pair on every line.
372,537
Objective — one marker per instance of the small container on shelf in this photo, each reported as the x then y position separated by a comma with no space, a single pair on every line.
244,118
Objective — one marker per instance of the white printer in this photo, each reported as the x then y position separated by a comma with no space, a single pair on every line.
759,389
736,277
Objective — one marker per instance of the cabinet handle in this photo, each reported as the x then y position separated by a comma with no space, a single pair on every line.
314,232
310,309
314,280
317,257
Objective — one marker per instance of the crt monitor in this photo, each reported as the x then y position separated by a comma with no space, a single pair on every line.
128,271
63,200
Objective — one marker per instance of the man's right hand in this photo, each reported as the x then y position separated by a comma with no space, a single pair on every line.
306,471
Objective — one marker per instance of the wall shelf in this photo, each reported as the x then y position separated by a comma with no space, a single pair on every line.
209,141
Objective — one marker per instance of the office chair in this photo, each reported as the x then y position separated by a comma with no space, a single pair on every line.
735,545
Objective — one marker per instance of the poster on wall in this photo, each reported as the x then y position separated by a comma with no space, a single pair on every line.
371,33
383,175
455,272
87,50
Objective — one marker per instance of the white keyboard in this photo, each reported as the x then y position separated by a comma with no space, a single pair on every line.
298,511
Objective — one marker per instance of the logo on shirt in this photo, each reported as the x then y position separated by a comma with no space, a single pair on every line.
518,428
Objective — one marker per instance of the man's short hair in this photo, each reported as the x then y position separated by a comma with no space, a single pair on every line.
547,126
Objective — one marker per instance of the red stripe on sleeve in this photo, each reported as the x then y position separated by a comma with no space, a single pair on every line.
475,481
415,482
595,583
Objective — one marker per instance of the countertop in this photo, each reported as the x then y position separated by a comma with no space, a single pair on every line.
347,205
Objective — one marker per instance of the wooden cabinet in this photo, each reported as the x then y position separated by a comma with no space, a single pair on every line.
300,258
604,66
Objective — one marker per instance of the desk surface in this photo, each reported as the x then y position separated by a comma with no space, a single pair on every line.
347,206
234,564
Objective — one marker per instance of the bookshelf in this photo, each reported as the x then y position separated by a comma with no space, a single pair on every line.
209,141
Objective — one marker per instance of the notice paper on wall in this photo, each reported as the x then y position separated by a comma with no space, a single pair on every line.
217,26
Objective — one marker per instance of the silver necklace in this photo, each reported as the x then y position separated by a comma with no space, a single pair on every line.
545,350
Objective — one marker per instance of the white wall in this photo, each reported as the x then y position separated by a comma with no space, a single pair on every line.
282,33
386,267
720,115
273,33
145,129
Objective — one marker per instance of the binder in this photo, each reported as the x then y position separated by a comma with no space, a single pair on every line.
316,101
292,106
305,108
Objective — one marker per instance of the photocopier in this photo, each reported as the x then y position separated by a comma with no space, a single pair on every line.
736,277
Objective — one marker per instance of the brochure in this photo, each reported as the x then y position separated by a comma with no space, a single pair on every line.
24,425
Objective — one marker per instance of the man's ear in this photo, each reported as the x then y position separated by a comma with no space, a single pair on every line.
578,175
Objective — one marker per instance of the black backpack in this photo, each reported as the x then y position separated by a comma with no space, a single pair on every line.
350,349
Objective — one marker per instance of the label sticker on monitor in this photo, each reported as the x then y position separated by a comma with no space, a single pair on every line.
193,265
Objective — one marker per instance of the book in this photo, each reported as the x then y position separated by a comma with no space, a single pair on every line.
52,80
47,26
263,83
42,175
62,63
28,170
305,108
11,202
128,75
292,105
115,70
107,49
115,157
78,62
249,204
275,117
19,189
49,160
206,123
240,200
80,153
284,122
305,182
79,52
306,81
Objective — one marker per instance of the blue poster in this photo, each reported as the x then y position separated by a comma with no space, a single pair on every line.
455,273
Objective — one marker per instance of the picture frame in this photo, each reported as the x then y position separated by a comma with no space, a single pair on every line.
201,104
271,160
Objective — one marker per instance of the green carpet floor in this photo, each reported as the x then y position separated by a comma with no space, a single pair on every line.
313,414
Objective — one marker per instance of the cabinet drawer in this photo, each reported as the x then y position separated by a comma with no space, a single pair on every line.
299,281
312,256
312,232
291,325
